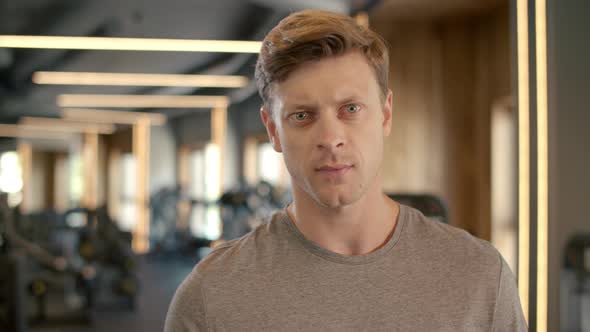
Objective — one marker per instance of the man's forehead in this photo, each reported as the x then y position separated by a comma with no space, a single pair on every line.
289,97
332,91
338,75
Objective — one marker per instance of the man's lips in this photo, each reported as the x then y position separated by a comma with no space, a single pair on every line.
333,168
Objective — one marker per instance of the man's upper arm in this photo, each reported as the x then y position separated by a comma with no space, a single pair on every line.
187,309
508,315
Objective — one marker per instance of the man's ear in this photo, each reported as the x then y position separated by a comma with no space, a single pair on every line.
387,113
271,128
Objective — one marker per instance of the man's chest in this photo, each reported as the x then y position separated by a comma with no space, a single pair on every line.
344,303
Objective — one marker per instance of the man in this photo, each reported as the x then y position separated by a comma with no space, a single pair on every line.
342,256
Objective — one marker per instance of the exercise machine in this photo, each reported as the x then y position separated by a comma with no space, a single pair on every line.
575,285
430,205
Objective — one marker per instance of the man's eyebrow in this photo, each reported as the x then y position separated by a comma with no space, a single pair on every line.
349,100
300,106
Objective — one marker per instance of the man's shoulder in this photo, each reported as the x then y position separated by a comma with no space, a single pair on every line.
452,244
255,246
237,259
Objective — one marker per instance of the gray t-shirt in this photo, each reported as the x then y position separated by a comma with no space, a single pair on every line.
428,277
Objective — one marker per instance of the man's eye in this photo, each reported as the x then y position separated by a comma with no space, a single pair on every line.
352,108
300,116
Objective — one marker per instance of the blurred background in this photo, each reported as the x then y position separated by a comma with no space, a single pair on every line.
131,144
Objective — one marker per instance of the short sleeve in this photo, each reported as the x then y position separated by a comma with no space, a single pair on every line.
508,315
187,312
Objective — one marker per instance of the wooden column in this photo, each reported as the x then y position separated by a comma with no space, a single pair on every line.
183,207
218,130
61,190
90,166
141,147
25,153
114,181
250,165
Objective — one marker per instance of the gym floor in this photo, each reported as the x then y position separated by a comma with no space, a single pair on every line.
159,278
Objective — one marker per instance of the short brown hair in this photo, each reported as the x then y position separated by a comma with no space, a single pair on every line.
311,35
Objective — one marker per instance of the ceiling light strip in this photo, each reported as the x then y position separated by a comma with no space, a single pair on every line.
129,79
110,116
129,44
20,131
52,124
141,101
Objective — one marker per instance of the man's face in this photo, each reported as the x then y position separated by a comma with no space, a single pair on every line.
329,121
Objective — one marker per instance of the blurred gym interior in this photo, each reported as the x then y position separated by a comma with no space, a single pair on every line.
131,145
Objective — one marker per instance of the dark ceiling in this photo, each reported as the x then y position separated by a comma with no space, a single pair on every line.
181,19
431,9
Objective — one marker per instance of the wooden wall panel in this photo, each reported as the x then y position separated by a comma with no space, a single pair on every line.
61,190
414,158
445,77
50,161
39,181
102,165
464,153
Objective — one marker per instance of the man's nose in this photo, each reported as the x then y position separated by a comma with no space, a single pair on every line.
330,134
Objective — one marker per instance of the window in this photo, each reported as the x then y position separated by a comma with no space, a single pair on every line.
205,186
263,163
127,207
76,180
271,166
504,210
11,179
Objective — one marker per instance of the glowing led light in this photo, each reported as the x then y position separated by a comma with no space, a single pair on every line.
141,101
128,79
542,166
129,44
110,116
523,156
53,124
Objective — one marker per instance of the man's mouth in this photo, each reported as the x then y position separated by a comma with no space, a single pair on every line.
336,168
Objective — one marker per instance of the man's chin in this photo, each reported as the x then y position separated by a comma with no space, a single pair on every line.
335,201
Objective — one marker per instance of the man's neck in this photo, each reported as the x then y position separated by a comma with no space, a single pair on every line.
356,229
